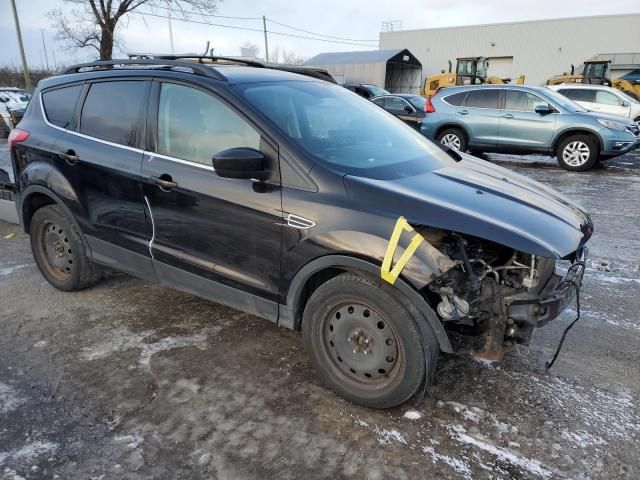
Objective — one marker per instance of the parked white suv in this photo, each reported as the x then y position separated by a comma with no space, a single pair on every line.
598,98
13,102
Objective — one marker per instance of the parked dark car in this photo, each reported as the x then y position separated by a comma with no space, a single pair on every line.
292,199
411,109
365,90
521,119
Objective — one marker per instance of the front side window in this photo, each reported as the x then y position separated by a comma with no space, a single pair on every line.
60,103
343,131
396,104
484,98
113,111
193,125
607,98
522,101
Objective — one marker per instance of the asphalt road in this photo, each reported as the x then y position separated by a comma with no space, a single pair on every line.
134,380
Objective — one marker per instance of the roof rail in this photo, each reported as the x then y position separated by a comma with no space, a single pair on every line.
197,68
200,58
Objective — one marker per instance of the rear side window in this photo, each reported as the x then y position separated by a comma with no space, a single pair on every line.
579,94
457,99
60,103
112,111
483,98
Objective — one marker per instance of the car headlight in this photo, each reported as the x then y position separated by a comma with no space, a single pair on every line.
611,124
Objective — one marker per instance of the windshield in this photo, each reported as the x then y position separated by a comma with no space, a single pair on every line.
377,91
564,102
345,131
418,102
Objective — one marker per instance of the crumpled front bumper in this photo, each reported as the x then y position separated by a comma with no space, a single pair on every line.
560,291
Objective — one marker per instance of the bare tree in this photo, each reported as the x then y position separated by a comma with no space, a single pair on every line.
250,49
292,58
94,23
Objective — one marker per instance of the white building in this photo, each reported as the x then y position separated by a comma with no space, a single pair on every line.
538,49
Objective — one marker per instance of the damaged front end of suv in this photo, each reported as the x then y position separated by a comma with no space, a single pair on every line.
495,296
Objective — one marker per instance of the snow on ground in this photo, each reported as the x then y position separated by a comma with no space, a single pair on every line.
10,399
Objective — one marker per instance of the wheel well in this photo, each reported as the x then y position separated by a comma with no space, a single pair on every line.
32,203
310,286
452,125
576,132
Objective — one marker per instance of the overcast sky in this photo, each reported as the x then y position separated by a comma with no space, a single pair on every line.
351,19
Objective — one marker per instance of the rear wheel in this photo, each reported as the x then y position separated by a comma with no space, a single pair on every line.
59,252
454,138
577,153
364,344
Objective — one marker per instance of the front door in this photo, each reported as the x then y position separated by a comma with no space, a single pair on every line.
521,127
219,238
608,102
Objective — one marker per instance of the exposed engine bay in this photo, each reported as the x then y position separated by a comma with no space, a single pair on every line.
495,296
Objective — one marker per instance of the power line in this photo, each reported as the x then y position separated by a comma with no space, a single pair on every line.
191,12
234,27
320,34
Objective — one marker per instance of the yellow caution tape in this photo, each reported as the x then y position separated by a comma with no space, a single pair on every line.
11,235
391,274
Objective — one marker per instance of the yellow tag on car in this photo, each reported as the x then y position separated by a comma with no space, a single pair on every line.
391,274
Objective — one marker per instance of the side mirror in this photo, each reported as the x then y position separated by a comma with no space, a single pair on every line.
544,109
241,162
625,103
408,109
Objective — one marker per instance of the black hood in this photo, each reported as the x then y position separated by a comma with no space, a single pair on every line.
481,199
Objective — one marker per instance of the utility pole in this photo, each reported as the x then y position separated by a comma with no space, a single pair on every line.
266,43
44,45
170,27
25,69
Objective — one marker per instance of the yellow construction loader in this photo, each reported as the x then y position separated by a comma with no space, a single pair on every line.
596,72
469,71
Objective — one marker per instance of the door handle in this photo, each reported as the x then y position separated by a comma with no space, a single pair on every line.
463,112
165,182
507,115
70,157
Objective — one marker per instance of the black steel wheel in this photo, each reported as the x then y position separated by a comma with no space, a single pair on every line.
59,251
364,344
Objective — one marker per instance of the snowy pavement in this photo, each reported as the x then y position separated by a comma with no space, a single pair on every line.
133,380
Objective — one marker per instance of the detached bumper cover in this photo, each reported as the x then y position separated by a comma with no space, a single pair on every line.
560,292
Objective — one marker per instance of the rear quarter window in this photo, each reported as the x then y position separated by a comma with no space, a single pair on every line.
60,103
457,99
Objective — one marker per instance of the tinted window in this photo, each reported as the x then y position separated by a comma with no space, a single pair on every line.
456,99
112,111
485,98
60,103
522,101
579,94
607,98
193,125
395,104
379,101
343,131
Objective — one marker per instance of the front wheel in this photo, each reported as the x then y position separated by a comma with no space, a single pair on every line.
577,153
454,138
364,344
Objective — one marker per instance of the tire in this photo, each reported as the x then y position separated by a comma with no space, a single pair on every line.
364,344
454,138
57,246
577,153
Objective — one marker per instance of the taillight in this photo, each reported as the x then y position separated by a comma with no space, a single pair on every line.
428,107
17,136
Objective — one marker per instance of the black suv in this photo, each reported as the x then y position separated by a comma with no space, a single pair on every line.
290,198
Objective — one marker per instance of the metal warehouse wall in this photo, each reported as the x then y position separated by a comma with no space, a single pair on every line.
539,49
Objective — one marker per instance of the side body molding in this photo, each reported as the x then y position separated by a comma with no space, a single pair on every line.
417,306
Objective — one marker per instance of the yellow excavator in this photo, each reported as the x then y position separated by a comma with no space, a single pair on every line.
596,72
469,71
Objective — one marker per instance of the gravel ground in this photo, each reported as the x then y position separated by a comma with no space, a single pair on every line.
133,380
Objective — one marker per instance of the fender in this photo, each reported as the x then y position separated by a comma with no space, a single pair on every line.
417,306
30,190
585,130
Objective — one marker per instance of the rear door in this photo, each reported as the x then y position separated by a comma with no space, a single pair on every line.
585,97
521,126
216,237
481,116
101,156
